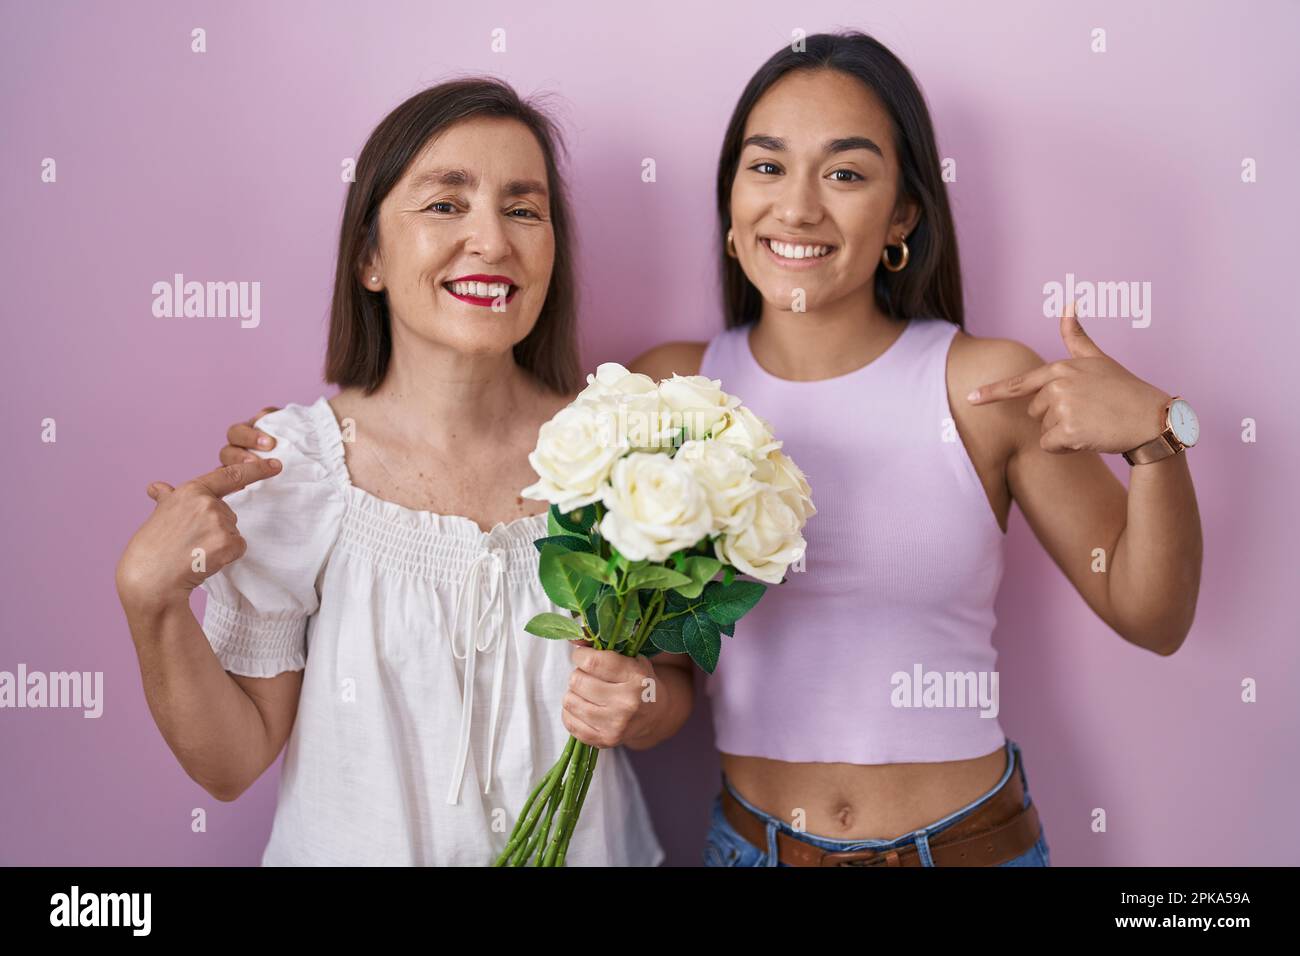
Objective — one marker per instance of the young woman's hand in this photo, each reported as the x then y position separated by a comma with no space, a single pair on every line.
190,536
604,706
1088,402
243,436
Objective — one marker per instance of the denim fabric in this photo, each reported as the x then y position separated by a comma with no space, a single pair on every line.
725,847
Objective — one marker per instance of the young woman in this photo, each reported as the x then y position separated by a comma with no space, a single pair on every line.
369,606
844,328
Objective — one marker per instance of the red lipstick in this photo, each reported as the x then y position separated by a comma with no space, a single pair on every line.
481,300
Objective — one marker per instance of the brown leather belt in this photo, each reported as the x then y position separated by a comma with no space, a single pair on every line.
998,831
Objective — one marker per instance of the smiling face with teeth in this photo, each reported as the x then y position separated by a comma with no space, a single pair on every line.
814,199
466,247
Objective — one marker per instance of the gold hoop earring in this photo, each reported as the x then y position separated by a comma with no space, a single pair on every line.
884,257
731,245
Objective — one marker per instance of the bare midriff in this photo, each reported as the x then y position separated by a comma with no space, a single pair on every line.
847,801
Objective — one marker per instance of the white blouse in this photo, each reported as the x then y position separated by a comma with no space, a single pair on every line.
427,712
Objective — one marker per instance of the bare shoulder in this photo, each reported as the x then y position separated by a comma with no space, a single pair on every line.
976,361
993,431
662,361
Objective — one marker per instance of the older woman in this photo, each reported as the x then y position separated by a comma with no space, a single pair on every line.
368,586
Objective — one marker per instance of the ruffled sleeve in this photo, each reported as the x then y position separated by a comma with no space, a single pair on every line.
258,606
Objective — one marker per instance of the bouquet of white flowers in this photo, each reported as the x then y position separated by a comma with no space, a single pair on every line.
656,488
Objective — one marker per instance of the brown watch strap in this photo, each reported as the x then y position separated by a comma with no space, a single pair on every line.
996,832
1162,446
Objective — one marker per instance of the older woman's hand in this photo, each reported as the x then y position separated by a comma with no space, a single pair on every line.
607,700
191,535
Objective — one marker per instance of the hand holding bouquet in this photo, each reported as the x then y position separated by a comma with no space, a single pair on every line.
655,490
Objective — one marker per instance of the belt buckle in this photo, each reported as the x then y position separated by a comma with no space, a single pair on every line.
862,858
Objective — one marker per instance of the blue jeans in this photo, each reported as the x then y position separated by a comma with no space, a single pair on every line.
725,847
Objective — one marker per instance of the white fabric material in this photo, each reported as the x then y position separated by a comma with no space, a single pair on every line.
427,711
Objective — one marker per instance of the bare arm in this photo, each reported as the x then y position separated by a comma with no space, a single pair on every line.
224,729
1061,417
674,701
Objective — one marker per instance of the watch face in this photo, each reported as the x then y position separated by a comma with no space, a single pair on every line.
1183,422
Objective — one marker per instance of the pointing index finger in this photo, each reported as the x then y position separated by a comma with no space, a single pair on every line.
1017,386
228,479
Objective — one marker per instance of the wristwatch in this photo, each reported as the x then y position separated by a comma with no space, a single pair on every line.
1181,430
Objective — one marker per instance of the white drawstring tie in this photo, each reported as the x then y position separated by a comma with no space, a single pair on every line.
480,640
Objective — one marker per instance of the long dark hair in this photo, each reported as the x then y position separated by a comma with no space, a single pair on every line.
360,337
930,285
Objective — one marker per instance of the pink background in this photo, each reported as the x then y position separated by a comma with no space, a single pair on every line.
1123,166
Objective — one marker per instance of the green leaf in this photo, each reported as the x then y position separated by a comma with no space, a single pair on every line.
566,541
555,627
656,577
588,565
556,524
728,629
631,620
591,612
674,602
563,584
702,639
584,517
727,603
700,571
728,574
667,636
606,611
578,521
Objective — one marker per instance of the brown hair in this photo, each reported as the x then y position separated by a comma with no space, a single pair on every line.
930,285
360,337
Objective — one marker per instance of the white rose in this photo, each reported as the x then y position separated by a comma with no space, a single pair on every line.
769,545
697,403
639,422
727,477
780,472
613,379
656,507
745,430
573,457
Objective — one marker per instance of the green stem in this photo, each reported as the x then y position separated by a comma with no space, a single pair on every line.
618,620
566,806
538,839
652,618
528,820
516,834
561,839
582,797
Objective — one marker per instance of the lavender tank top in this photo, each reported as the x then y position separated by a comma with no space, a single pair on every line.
879,650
